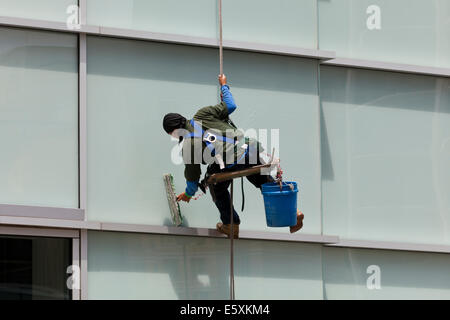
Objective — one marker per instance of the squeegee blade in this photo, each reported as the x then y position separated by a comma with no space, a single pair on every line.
174,206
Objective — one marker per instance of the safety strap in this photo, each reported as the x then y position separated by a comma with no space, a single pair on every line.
200,133
243,196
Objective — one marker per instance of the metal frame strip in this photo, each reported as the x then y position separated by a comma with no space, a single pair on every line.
388,66
42,212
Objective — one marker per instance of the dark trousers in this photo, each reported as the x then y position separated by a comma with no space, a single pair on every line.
220,190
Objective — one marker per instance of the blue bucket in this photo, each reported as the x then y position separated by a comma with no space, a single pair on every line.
280,206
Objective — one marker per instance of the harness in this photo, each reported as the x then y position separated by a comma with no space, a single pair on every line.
210,138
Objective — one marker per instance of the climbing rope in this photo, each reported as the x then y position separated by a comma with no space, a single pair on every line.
231,245
231,198
220,39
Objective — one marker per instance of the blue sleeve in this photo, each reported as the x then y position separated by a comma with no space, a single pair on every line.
192,187
228,99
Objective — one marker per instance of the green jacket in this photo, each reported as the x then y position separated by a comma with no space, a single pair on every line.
213,119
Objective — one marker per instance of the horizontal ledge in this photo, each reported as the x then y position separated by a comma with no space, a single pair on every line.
297,237
136,228
279,50
39,232
169,38
327,57
326,240
388,66
214,43
46,25
41,212
386,245
155,36
49,223
166,230
205,232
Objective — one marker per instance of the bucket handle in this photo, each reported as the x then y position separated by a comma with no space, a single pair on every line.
290,185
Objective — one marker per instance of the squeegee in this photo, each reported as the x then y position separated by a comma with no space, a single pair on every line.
174,206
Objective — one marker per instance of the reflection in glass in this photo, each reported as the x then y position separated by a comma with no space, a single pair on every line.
34,268
138,266
385,155
288,22
383,274
53,10
38,118
404,31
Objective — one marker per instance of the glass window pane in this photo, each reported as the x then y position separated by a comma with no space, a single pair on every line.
282,22
34,268
53,10
277,270
383,274
138,266
195,17
132,84
384,30
39,118
385,155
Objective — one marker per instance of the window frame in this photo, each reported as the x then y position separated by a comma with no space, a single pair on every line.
74,235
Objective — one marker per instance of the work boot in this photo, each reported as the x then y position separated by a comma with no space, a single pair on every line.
226,229
299,224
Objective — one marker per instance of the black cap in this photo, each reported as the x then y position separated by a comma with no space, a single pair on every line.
173,121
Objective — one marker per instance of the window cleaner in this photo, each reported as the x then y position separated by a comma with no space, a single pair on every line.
210,130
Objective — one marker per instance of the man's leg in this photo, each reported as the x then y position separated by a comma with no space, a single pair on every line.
299,224
222,197
259,179
223,202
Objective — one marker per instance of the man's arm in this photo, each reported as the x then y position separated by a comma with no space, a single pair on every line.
192,173
192,170
226,95
191,188
223,109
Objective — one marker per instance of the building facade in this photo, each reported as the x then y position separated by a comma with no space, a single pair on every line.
358,90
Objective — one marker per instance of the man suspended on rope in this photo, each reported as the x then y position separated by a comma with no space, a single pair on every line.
206,138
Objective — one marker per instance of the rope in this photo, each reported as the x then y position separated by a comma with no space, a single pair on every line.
220,39
232,296
242,192
231,246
